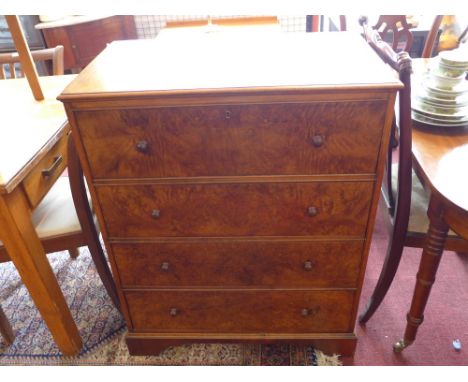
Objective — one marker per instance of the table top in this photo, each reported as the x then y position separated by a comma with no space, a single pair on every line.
200,60
28,127
441,155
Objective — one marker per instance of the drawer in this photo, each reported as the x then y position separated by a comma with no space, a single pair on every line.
278,139
45,173
251,209
241,311
211,263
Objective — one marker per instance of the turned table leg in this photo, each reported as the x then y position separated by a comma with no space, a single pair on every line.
431,256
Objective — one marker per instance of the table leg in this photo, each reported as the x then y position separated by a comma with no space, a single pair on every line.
5,328
430,260
26,252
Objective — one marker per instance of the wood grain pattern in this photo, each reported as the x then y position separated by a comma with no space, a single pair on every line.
234,140
36,184
235,199
255,209
20,239
41,123
232,311
84,40
214,263
154,343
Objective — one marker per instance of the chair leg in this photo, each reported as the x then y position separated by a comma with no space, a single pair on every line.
74,252
85,217
389,269
392,260
5,328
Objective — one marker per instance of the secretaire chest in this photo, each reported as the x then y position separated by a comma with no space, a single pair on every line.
236,190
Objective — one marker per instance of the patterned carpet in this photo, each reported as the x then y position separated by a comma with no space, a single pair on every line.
102,328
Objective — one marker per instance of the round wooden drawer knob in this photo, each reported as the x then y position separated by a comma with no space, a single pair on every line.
309,311
318,140
312,211
308,265
165,266
142,146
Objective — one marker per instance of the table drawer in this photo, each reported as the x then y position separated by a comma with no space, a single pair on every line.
278,139
241,311
251,209
45,173
211,263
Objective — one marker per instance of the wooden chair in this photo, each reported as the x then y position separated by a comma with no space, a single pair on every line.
403,194
63,219
53,57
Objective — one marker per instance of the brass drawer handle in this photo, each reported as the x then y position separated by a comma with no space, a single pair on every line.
308,265
312,211
49,171
156,214
165,266
310,311
142,146
174,312
318,140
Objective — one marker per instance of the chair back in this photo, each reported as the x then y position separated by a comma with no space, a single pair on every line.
401,62
51,56
396,31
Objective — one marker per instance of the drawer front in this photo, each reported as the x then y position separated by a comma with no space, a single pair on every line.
279,139
211,263
253,209
45,173
236,311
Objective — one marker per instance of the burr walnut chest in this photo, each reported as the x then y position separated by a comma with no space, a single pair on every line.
235,176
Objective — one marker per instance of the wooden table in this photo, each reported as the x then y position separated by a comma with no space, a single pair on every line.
30,131
440,155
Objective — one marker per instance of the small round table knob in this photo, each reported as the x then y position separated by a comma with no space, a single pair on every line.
155,214
308,265
305,312
174,312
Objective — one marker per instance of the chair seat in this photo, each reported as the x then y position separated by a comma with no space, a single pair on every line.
56,215
418,220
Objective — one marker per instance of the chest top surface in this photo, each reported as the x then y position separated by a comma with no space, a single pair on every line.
191,61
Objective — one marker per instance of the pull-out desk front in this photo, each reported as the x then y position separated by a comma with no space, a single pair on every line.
236,178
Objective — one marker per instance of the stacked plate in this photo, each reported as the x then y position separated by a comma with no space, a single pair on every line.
441,95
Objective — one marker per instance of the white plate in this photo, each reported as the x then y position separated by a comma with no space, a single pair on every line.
448,114
430,121
451,103
456,90
456,57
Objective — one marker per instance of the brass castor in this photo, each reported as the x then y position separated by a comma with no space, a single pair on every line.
401,345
